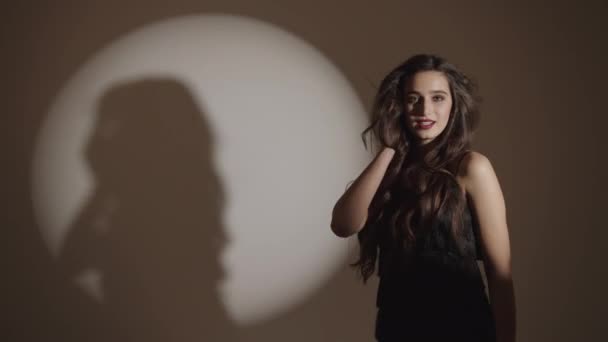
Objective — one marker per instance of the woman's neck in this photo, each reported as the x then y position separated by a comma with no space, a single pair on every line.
421,151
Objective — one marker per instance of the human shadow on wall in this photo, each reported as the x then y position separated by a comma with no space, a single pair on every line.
148,240
150,235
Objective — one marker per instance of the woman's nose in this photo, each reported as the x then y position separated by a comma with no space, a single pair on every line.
422,107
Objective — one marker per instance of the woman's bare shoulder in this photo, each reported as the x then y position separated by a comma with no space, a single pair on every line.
472,160
474,167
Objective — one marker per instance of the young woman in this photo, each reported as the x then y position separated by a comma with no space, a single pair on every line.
427,208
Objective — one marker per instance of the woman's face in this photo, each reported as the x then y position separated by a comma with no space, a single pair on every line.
428,103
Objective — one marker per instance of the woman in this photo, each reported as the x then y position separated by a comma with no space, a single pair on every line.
427,208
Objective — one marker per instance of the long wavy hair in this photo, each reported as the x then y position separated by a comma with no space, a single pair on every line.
419,184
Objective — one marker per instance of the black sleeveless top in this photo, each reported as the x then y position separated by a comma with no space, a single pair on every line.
436,250
439,292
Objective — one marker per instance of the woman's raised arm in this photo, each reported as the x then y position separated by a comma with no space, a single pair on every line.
350,212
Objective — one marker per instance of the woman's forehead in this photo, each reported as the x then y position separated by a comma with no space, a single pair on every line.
428,82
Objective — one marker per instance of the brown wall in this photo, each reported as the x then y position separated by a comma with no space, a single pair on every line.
543,80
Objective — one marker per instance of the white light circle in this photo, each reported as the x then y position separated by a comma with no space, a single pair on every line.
285,124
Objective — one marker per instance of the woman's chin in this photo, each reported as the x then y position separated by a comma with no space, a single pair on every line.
425,139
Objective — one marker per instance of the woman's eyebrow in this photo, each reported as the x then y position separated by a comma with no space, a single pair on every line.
432,92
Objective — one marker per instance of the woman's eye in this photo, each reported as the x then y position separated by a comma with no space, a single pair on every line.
438,98
412,99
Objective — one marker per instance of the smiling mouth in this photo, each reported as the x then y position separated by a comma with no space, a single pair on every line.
426,124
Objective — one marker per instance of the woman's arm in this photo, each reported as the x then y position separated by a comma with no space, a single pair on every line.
350,212
484,190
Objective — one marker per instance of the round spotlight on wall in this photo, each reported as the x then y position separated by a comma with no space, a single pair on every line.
275,136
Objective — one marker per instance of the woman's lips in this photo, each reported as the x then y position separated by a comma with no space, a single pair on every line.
424,124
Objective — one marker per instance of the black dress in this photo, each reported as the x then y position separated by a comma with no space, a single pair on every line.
440,294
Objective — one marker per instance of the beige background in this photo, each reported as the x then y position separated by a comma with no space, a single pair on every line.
542,75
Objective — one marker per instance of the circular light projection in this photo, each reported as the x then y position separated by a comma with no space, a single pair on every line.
278,140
